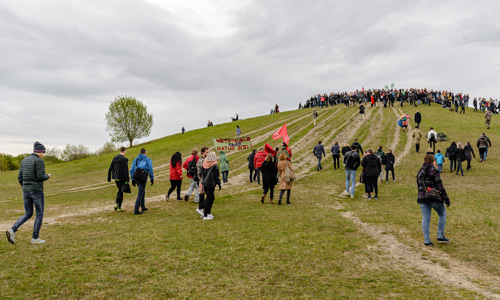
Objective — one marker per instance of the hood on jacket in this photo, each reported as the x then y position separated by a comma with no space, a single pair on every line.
120,158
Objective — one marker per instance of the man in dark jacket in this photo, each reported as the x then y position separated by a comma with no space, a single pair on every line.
359,149
251,166
118,170
319,152
418,119
351,163
31,177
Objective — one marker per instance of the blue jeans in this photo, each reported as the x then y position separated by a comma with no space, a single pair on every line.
139,202
440,168
485,153
30,198
426,218
224,175
319,167
350,176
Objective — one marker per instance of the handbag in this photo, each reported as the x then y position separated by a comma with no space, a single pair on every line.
140,175
432,195
126,188
289,175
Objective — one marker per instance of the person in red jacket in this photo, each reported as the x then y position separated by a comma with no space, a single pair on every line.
193,176
175,175
257,161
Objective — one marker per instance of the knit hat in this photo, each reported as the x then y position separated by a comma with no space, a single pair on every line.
38,147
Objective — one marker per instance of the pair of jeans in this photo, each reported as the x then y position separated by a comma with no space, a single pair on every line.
459,167
209,200
426,218
417,147
119,194
387,174
350,176
453,165
319,167
193,186
175,184
287,196
482,153
252,175
257,172
32,198
141,194
440,168
336,161
224,175
486,153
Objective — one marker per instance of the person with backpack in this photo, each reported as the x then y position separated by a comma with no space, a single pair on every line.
257,161
351,164
251,165
199,168
336,155
390,160
460,156
118,170
405,119
439,157
175,175
432,139
192,173
31,177
284,184
468,150
224,166
211,179
362,110
432,195
286,150
269,173
482,145
488,146
319,152
382,157
416,134
371,169
451,154
144,167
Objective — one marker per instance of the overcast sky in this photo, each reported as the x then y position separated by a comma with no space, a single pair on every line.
190,61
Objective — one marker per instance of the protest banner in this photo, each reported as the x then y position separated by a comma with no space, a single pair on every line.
243,143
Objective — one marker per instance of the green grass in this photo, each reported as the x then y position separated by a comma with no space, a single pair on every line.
306,250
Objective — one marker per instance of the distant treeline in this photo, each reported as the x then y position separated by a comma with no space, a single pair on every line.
55,155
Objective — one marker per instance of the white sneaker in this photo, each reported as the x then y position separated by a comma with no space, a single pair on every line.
200,211
352,196
345,193
11,236
37,241
394,180
211,216
207,218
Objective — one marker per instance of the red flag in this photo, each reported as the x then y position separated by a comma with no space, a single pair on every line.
269,149
362,88
282,132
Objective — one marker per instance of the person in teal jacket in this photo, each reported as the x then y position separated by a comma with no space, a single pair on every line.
224,166
141,162
439,160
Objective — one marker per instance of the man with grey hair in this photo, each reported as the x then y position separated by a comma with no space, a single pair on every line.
31,177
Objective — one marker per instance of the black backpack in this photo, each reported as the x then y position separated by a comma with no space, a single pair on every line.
192,170
351,160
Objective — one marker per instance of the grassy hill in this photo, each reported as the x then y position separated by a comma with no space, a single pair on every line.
323,246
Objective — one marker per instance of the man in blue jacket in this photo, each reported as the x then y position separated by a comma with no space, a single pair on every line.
142,164
31,177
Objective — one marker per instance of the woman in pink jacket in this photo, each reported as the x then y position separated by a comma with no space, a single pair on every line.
175,175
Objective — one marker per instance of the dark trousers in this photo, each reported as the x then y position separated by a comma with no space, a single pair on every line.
417,147
432,144
224,176
482,151
287,196
257,172
387,174
119,194
252,175
201,205
453,165
468,165
209,200
319,167
336,161
173,185
269,188
459,167
139,202
371,185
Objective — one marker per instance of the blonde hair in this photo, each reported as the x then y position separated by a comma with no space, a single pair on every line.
211,156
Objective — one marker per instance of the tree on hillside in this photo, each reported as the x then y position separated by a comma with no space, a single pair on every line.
128,119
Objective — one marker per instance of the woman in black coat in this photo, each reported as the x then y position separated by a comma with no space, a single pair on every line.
468,150
372,167
460,156
452,155
390,160
269,175
345,149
